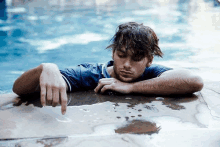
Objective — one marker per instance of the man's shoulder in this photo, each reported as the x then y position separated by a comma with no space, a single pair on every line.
155,70
93,69
91,66
157,66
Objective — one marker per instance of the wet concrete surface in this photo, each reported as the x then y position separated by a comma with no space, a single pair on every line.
127,120
189,37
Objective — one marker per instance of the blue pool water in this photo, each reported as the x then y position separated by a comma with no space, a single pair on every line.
72,32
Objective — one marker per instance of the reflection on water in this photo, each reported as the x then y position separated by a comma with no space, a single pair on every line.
72,32
113,106
90,98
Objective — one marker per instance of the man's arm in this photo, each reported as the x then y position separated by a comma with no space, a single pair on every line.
169,82
52,85
28,81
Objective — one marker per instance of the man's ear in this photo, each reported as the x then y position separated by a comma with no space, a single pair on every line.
112,55
113,51
150,60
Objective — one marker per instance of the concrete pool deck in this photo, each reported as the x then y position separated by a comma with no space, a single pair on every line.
114,120
34,32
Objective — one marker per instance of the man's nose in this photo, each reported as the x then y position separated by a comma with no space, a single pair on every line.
127,64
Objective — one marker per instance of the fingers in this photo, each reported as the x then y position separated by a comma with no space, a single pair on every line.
98,88
106,87
53,87
103,82
49,95
63,97
43,95
55,97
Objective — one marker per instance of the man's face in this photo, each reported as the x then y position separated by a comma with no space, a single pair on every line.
126,68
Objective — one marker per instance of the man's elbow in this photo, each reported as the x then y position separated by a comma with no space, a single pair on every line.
15,89
18,88
197,83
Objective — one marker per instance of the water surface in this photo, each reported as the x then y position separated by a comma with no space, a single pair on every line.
68,33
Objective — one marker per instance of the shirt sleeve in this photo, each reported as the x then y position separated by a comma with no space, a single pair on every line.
155,71
82,77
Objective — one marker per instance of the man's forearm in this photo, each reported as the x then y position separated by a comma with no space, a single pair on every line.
28,81
175,82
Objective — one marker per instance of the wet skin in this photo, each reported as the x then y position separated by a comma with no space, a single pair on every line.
126,68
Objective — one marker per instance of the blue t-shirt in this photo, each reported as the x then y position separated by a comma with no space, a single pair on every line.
86,76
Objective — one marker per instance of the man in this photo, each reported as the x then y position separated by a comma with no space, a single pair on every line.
131,71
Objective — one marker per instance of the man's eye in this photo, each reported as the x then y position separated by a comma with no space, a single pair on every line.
121,56
137,59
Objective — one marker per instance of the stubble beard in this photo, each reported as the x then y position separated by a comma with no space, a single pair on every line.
117,76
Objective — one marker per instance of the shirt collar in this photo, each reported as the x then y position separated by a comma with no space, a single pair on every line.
104,69
105,73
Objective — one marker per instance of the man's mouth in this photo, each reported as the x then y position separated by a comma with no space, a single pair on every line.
125,73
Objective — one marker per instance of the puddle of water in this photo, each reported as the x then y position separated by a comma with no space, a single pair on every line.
138,127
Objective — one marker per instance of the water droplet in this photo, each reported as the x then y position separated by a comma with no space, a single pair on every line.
86,110
159,98
126,118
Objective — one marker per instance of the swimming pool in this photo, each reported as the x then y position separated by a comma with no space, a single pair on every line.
72,32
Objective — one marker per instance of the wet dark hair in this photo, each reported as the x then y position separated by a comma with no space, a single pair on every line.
140,39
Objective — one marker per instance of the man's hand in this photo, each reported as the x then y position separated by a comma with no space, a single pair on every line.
53,87
113,84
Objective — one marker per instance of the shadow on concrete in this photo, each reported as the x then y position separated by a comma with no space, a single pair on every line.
89,97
